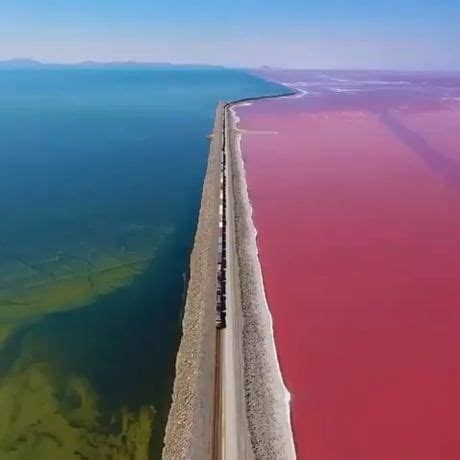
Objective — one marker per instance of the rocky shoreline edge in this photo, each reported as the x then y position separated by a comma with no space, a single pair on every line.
267,400
189,429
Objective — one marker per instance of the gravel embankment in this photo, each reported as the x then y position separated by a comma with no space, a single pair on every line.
189,429
267,404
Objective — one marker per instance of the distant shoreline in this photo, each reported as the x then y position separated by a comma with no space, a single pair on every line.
31,64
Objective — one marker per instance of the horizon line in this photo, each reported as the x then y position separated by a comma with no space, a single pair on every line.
31,62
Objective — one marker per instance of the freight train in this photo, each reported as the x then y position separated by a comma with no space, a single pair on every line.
221,304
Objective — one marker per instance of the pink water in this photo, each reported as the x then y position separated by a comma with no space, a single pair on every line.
356,198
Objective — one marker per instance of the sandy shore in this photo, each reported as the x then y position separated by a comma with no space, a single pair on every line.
267,399
190,424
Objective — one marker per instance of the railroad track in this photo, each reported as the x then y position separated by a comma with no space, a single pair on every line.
221,306
231,437
217,436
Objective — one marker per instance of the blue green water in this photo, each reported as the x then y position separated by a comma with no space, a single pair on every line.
101,173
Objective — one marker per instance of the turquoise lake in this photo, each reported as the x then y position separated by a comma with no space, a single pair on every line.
101,173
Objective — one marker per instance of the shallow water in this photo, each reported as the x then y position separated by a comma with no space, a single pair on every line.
100,183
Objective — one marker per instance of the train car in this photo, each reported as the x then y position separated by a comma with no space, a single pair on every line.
221,313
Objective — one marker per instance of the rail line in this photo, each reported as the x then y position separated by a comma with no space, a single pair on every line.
223,428
217,435
221,307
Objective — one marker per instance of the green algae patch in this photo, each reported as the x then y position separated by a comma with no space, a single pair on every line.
65,285
47,414
44,415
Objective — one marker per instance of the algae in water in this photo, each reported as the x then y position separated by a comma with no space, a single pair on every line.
45,415
45,412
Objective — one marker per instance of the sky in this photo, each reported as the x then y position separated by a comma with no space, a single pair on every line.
385,34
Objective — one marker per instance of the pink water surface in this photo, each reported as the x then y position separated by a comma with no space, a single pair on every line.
356,195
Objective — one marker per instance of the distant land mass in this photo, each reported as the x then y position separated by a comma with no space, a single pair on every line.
34,64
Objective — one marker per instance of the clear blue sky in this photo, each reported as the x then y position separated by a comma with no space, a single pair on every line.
407,34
